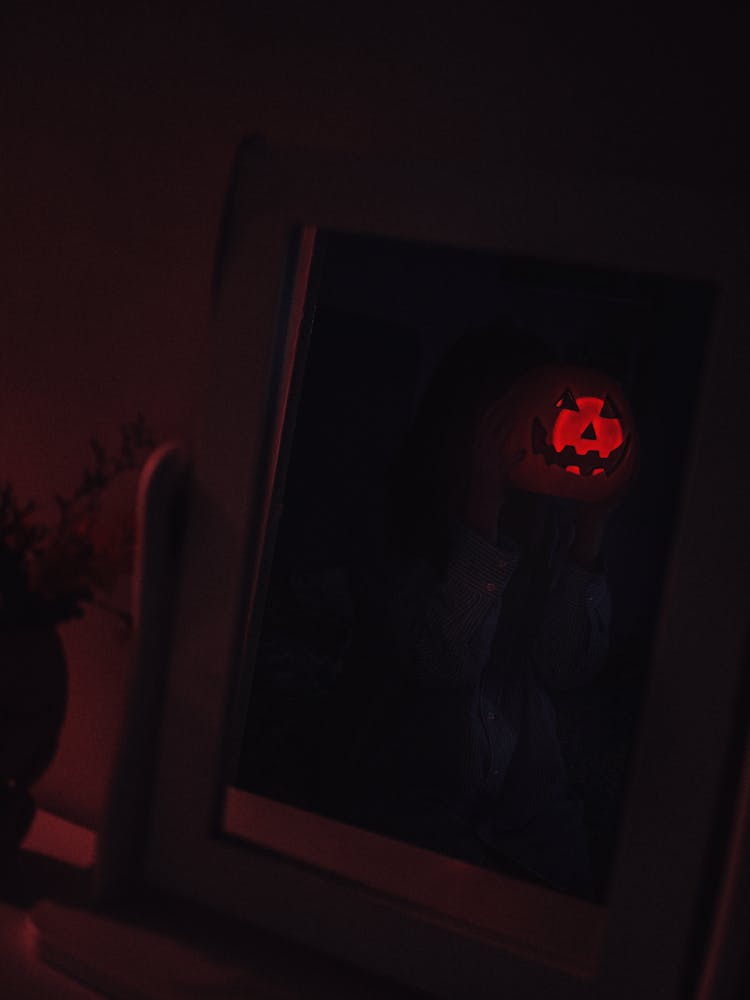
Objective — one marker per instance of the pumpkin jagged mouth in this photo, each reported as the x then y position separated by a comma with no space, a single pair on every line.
590,464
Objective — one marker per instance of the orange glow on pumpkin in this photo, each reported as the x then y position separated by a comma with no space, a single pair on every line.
575,429
586,430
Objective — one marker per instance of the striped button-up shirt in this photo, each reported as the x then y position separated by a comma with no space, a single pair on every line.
479,649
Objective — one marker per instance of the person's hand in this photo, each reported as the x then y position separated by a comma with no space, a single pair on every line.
592,519
491,465
591,524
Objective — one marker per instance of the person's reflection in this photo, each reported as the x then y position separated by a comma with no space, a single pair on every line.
488,603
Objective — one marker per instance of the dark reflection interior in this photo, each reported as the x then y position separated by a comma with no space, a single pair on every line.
330,724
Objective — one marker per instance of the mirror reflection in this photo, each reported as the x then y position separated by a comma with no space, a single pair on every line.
458,601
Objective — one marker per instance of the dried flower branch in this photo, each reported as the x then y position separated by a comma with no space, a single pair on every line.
47,573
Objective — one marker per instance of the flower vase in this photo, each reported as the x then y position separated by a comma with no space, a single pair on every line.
33,695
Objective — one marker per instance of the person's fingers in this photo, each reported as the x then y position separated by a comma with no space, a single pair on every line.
496,423
489,420
509,462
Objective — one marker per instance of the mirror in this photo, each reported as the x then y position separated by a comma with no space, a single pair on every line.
409,670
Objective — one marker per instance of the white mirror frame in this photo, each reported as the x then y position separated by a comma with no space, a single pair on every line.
428,921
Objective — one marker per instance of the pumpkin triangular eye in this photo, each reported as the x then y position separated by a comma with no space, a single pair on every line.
589,434
567,401
609,411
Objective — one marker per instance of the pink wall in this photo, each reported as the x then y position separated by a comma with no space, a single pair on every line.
118,128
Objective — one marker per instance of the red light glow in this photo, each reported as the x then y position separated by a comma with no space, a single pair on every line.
586,430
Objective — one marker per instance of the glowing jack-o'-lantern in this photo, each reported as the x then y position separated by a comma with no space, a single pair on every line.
576,429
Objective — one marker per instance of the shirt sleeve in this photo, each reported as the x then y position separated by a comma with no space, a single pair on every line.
445,622
573,639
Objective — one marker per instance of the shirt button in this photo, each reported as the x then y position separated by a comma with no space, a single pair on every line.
491,588
495,772
490,716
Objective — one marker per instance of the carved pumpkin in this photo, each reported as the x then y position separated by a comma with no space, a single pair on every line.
576,428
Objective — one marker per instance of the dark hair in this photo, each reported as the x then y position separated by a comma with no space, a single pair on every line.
430,476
